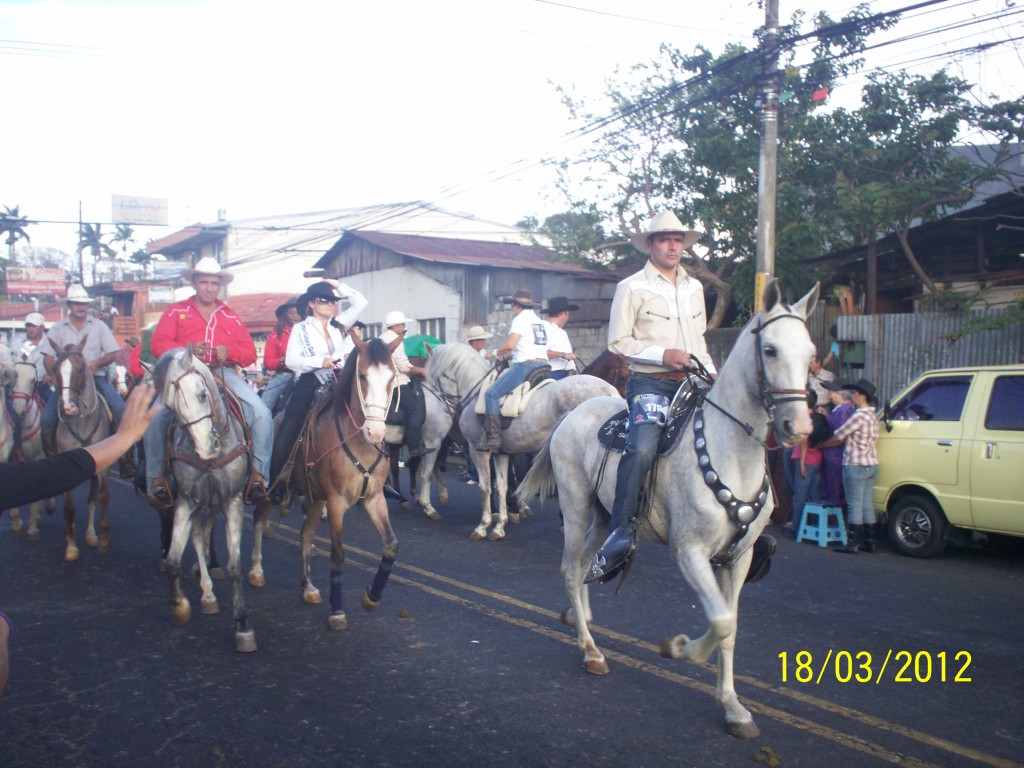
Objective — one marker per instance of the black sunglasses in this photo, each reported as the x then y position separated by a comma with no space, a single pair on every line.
320,300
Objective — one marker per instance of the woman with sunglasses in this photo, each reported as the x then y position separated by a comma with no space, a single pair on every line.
316,347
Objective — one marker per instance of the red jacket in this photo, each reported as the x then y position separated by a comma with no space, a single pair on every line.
275,349
183,324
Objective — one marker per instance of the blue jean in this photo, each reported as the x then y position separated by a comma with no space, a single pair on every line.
804,489
641,445
509,380
107,391
859,482
256,414
276,387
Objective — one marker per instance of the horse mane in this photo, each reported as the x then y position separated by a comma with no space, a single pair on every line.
456,360
159,373
376,353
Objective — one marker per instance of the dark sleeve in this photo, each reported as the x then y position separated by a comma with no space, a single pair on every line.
35,480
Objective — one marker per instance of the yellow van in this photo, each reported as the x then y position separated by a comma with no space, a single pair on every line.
951,458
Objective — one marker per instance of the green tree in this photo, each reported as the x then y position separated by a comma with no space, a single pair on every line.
143,257
685,134
123,235
90,237
12,227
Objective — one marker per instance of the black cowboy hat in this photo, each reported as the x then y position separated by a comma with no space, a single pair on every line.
559,304
282,310
863,386
522,298
320,291
836,384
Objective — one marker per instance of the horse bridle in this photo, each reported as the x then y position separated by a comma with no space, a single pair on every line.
77,393
212,415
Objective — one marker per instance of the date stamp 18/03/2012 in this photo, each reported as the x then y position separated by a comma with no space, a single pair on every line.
865,667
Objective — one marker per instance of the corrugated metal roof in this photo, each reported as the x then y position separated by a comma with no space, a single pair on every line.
448,250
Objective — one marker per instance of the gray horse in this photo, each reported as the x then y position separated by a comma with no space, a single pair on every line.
28,408
459,371
710,496
210,465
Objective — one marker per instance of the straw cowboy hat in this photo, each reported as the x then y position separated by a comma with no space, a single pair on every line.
397,317
523,298
477,332
559,304
666,221
77,295
35,318
208,266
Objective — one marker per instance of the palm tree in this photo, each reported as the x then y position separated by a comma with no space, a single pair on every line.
123,234
12,224
90,237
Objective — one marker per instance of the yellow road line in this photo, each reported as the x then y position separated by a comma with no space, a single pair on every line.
786,718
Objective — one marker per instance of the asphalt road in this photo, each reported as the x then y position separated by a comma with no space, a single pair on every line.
466,663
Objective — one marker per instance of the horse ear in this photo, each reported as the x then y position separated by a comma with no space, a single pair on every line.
186,359
807,304
81,345
357,340
57,350
394,343
770,295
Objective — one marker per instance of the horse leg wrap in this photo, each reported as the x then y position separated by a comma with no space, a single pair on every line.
336,582
381,579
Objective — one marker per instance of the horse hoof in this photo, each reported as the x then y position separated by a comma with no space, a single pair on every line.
669,646
71,554
405,505
432,514
369,604
217,573
747,729
525,512
245,642
476,536
33,535
496,536
513,517
311,597
257,580
337,622
182,612
594,667
209,607
91,540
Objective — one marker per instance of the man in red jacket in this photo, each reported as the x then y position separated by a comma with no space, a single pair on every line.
220,339
274,353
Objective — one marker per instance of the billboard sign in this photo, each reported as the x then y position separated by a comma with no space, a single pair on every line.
36,281
128,209
168,270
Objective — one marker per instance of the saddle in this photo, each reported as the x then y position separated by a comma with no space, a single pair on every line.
321,408
612,434
514,403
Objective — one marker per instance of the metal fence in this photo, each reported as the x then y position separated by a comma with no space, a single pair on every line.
895,349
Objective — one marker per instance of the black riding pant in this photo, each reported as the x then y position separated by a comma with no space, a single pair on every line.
408,408
291,423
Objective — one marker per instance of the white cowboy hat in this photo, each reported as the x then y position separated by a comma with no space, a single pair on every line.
666,221
208,266
78,295
477,332
397,317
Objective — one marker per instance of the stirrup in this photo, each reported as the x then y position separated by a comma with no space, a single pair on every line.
601,571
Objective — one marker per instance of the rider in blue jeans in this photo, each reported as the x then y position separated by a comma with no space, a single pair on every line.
528,343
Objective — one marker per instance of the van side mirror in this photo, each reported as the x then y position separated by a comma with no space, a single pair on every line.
887,417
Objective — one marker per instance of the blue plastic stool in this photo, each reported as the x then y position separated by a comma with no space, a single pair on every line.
821,524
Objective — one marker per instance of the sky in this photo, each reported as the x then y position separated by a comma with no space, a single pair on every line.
261,108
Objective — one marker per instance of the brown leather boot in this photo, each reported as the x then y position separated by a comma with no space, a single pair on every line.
490,440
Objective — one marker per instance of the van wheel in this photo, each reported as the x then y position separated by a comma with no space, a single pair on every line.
916,527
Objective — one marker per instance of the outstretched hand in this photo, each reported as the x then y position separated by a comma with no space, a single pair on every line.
138,412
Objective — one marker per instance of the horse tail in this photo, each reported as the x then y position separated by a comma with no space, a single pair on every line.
540,479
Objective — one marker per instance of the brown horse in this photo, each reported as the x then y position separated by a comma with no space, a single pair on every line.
344,464
612,368
82,420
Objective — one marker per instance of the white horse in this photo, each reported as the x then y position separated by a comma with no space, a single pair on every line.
28,407
437,423
710,496
458,371
210,464
8,377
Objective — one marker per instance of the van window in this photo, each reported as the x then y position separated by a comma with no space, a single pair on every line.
1006,408
937,399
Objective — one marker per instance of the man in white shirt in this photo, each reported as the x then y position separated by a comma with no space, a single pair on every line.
560,355
528,343
409,397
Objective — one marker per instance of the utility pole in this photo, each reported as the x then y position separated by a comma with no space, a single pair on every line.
767,170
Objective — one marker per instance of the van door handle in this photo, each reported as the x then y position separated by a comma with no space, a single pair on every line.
988,450
947,443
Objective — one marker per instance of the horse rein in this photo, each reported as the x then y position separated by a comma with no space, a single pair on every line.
77,397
